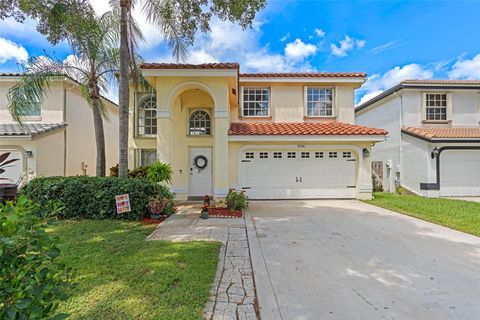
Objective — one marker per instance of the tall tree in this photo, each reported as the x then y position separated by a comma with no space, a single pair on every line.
93,64
178,21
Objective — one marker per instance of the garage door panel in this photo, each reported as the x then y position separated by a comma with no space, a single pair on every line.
302,174
460,173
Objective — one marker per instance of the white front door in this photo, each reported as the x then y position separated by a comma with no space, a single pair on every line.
460,173
200,172
292,174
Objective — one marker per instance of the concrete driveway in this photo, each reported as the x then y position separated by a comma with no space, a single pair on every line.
326,259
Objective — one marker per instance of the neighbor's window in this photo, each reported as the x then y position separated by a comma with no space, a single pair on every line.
256,102
199,123
147,115
319,102
146,157
436,106
35,109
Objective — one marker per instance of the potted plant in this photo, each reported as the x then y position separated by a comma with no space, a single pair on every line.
156,207
204,213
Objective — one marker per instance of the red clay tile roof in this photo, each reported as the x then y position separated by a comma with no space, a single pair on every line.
301,128
226,65
306,75
443,133
440,81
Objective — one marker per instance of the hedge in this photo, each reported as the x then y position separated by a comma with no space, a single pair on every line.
91,197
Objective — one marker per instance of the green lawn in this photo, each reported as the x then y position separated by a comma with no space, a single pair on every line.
455,214
119,275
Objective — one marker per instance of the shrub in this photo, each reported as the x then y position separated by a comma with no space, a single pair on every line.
139,172
160,172
236,200
91,197
163,193
32,282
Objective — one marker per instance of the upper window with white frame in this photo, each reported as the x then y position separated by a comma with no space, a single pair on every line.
319,102
256,102
436,106
200,123
147,115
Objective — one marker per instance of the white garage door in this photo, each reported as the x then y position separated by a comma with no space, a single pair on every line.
283,174
460,173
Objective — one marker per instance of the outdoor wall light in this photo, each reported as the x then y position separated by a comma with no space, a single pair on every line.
29,153
435,153
366,153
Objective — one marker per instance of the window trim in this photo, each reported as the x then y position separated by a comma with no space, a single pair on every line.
138,155
269,113
305,102
424,107
137,122
189,114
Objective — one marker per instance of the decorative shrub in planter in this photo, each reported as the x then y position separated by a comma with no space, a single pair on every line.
231,208
156,207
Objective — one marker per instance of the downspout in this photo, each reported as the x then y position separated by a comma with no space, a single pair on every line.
65,132
400,142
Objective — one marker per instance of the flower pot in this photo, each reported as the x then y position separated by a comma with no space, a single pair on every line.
155,216
204,214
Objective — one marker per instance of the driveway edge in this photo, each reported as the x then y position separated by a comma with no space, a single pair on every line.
267,300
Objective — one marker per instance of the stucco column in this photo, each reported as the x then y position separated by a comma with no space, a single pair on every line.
220,164
364,175
164,135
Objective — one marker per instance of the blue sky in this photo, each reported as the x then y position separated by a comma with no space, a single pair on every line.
390,40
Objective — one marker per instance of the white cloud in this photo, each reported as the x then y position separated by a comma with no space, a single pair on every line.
11,51
346,44
466,68
385,46
369,96
377,83
319,32
285,37
298,50
201,56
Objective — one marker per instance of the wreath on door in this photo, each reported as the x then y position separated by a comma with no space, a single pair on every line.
200,162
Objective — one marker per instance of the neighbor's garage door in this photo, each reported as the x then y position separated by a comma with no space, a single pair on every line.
460,173
283,174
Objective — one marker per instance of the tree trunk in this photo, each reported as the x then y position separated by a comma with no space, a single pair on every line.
123,96
99,137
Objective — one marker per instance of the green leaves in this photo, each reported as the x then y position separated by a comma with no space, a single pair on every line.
160,172
31,280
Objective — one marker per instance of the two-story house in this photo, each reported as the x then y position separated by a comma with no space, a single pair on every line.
57,138
274,135
433,147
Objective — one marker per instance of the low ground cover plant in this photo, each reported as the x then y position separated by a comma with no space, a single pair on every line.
32,280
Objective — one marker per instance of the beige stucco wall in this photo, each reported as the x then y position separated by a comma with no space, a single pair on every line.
287,102
63,102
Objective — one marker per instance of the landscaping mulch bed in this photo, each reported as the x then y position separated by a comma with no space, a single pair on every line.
148,221
224,213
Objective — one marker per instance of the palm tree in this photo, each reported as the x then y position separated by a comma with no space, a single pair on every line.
93,64
178,21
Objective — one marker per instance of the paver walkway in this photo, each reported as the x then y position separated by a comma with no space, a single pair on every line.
233,295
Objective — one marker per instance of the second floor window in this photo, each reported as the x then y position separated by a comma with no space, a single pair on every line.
319,102
199,123
436,106
147,115
256,102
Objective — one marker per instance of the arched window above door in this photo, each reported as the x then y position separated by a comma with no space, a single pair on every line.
147,115
199,123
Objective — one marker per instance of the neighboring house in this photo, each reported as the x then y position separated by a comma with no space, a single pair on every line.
433,147
275,135
58,138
